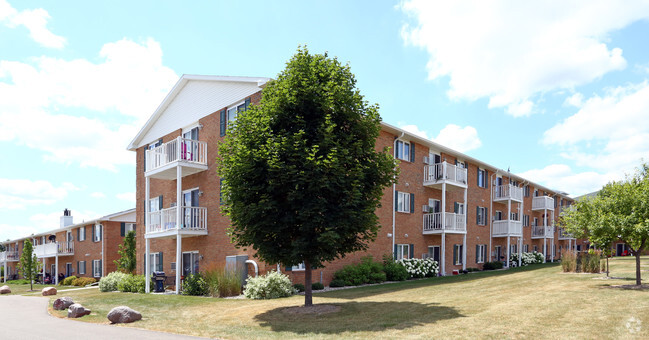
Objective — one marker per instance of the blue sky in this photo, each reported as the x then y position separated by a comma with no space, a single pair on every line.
557,91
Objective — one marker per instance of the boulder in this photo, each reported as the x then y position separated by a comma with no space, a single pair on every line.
49,291
123,314
62,303
5,290
76,311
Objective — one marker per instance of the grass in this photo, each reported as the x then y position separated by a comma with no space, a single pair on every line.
531,302
23,289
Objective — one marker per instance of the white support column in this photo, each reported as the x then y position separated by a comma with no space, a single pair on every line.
508,249
545,237
179,226
179,254
147,195
5,272
56,269
147,265
553,236
43,271
443,257
520,249
464,251
466,224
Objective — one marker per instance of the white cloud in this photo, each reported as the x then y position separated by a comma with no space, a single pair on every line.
452,136
38,102
127,196
608,133
513,52
20,193
561,177
97,195
12,232
35,20
575,100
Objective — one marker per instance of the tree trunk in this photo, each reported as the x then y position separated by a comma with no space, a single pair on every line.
606,265
308,296
638,274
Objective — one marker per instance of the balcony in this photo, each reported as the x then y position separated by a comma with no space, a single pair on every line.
504,228
539,231
454,223
163,223
190,155
507,193
444,173
543,203
54,249
564,235
9,256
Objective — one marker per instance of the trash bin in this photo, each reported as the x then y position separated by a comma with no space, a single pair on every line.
159,278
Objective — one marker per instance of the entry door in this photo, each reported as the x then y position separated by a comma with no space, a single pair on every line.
190,199
190,263
433,253
435,206
499,182
68,269
190,149
437,159
498,253
619,249
53,270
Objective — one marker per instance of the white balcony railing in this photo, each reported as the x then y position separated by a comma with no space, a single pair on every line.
54,248
9,255
564,235
179,149
507,192
440,172
507,228
542,203
192,218
453,223
539,231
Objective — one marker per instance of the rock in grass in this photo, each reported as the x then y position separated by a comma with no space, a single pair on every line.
49,291
76,311
62,303
123,314
5,290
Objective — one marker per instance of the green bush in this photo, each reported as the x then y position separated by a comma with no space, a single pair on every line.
194,284
368,271
270,286
109,282
317,286
18,282
221,282
337,283
470,269
83,281
492,265
393,270
299,287
67,281
132,283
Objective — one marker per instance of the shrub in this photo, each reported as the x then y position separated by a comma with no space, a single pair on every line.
18,282
569,262
270,286
368,271
318,286
83,281
418,268
590,262
194,284
132,283
221,282
67,281
492,265
337,283
526,258
109,282
299,287
470,269
393,270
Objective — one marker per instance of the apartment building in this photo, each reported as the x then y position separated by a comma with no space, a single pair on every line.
85,249
446,205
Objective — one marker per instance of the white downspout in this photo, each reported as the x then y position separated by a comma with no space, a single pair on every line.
254,264
103,252
394,199
491,203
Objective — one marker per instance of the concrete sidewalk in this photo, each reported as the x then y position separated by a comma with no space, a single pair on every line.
26,317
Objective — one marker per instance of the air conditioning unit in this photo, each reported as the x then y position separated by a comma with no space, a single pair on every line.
426,160
425,208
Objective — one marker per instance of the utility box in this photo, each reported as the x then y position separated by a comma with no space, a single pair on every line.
238,264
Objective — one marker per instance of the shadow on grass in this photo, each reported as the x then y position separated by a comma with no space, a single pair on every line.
365,291
358,317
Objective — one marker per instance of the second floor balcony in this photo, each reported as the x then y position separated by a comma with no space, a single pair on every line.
540,231
504,228
564,235
164,223
190,155
543,203
444,173
507,193
54,249
438,223
9,256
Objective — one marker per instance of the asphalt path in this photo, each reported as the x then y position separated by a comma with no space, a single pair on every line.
26,317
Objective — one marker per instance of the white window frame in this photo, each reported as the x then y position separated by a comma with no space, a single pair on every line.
128,227
482,174
536,222
154,260
526,220
96,236
498,252
432,203
193,256
514,216
96,268
298,267
403,202
526,248
459,254
82,233
482,215
513,248
233,111
460,209
82,267
71,271
482,249
401,147
498,216
403,251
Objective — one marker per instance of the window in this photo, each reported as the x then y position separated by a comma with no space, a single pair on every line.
536,192
498,253
482,178
460,164
526,191
68,269
96,268
526,220
457,254
402,251
514,216
298,267
513,182
480,253
403,150
96,232
513,248
579,247
81,234
404,202
536,248
536,222
434,206
499,216
458,208
233,111
155,262
526,248
190,263
81,267
433,253
129,227
481,218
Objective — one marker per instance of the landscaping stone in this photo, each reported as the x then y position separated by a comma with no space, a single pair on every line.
49,291
123,314
76,311
62,303
5,290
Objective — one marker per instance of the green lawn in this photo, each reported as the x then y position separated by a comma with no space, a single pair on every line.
533,302
23,289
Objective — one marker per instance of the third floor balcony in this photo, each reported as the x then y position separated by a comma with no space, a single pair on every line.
507,193
162,161
540,231
444,173
543,203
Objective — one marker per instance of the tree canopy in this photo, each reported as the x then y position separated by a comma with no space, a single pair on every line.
29,266
127,254
301,176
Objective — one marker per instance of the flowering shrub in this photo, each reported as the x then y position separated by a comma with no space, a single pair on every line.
109,282
526,258
420,267
270,286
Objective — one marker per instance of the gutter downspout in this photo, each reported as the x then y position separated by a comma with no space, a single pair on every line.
520,250
491,204
394,198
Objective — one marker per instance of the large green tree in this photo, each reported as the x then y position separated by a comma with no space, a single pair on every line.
29,266
127,254
301,176
619,212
